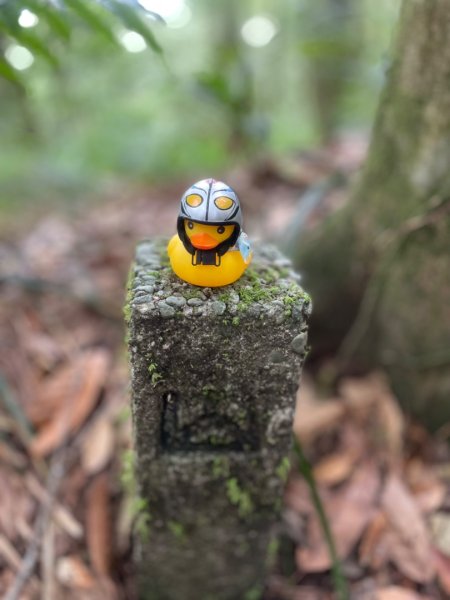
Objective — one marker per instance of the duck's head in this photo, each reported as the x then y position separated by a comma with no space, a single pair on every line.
210,218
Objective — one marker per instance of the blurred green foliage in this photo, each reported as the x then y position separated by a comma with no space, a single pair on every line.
87,112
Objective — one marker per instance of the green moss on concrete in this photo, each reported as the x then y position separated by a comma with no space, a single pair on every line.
272,551
128,296
239,497
221,467
154,375
177,530
256,293
283,468
141,518
212,394
220,440
127,472
137,506
161,247
254,593
241,417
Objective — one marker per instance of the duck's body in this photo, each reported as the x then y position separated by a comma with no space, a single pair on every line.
231,267
210,248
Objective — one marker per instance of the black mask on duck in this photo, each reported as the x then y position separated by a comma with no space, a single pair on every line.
210,202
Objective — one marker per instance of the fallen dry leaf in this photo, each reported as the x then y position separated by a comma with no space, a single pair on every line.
335,468
440,531
370,398
53,390
90,373
429,491
408,539
359,394
429,500
442,565
348,510
297,496
372,550
394,592
390,421
312,420
98,446
443,471
306,393
71,571
42,349
280,589
98,525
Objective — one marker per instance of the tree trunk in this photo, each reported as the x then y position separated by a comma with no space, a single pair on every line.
331,41
389,248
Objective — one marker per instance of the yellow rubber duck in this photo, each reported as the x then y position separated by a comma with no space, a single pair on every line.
210,248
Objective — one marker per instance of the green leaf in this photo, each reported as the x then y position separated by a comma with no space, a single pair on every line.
92,18
30,41
130,18
52,16
7,72
9,16
322,47
216,86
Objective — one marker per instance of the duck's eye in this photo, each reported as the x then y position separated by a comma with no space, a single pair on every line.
194,200
223,202
190,225
221,229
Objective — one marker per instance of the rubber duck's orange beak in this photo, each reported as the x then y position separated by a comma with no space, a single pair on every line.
203,241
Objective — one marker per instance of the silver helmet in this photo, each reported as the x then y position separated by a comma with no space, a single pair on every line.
210,202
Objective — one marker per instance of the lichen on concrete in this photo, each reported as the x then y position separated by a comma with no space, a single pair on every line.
214,379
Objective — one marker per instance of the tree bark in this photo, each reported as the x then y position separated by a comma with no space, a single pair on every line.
386,255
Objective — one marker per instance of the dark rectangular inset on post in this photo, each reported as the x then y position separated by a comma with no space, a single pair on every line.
214,380
204,424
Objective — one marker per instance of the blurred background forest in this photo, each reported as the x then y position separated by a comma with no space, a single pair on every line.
234,81
109,110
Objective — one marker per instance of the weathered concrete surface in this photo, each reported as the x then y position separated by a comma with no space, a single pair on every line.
214,379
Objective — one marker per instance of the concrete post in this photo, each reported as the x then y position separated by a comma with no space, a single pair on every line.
214,379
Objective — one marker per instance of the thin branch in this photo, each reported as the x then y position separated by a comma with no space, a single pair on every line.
339,581
42,521
13,408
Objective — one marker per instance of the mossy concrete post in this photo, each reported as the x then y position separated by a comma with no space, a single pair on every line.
214,380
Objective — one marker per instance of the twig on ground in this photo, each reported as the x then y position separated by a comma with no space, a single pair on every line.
13,408
60,514
339,581
48,563
42,521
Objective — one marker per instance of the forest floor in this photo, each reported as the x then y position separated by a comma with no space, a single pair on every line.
66,506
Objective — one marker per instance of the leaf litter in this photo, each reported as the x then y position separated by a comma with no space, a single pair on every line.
383,480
